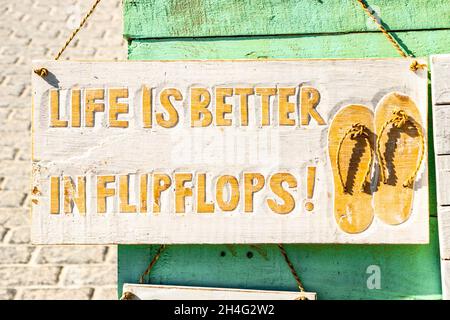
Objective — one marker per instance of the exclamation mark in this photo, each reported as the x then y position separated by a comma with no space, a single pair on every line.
310,188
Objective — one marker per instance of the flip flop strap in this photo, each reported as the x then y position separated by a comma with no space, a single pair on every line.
399,119
356,130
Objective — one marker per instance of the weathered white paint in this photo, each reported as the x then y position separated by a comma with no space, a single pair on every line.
160,292
102,150
440,83
445,271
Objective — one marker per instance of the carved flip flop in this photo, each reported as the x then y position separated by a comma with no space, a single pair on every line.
400,150
351,142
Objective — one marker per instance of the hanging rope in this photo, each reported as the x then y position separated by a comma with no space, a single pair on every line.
152,263
294,273
74,33
415,65
43,72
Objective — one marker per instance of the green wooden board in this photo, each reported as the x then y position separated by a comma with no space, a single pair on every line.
209,18
333,271
355,45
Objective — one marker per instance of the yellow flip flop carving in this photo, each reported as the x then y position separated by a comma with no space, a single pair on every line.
351,142
400,152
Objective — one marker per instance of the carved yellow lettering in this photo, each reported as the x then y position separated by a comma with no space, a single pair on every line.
243,100
92,106
202,205
158,188
124,195
75,196
54,195
116,108
181,191
234,193
223,108
250,188
200,115
276,185
54,110
285,107
147,107
103,192
76,108
143,193
164,97
265,94
309,99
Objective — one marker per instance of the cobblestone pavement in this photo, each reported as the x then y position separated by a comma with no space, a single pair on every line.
36,29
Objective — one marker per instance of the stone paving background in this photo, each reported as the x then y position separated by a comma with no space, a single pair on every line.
36,29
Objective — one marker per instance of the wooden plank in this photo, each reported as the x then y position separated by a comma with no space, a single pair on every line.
444,236
441,79
445,269
422,43
333,271
211,18
160,292
120,151
440,68
442,127
442,179
443,185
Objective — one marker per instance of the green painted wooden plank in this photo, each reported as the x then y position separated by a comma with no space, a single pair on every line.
333,271
354,45
211,18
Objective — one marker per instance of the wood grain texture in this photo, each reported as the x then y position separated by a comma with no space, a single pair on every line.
160,292
444,235
440,68
107,153
355,45
210,18
441,79
442,128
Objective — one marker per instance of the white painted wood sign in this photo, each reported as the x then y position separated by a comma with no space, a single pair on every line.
162,292
440,67
274,151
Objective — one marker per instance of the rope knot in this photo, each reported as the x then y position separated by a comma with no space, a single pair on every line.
357,130
400,118
409,182
415,65
42,72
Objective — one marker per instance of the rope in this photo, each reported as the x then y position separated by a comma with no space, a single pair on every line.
43,72
294,273
357,130
415,65
74,33
399,120
127,296
152,263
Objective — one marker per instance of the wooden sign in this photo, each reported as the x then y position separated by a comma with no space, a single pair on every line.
291,151
162,292
440,67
